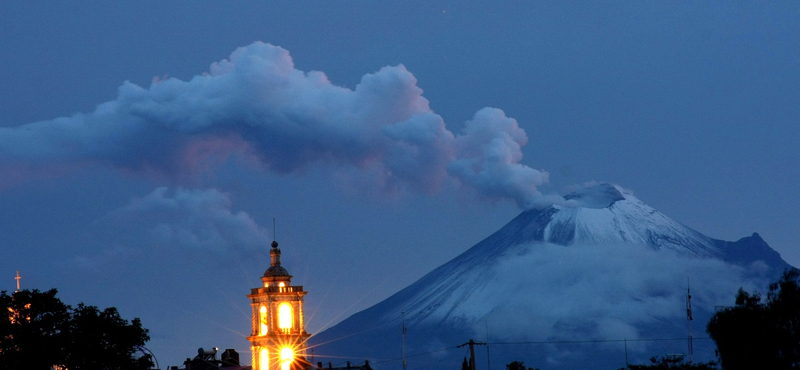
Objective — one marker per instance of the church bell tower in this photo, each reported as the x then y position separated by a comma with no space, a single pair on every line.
278,338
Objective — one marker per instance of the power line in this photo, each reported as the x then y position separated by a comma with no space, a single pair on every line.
415,355
545,342
594,341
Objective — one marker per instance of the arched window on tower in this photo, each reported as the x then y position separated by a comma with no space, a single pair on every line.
287,356
263,359
285,317
262,318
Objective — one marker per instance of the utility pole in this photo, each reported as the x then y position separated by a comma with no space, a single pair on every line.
403,315
689,318
472,344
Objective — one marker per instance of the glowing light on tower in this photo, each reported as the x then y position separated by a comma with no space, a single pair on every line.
285,317
287,355
262,314
263,359
278,328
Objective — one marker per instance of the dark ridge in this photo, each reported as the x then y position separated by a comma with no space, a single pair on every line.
749,249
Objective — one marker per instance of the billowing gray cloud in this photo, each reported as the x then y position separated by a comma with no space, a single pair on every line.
194,220
256,106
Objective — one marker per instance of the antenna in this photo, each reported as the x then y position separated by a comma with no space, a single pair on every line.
488,356
274,230
689,318
626,353
403,316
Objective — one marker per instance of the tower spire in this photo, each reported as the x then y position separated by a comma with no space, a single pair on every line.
275,255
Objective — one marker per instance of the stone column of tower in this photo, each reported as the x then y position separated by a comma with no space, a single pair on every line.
278,339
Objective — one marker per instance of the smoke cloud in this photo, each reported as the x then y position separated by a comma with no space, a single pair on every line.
255,105
193,220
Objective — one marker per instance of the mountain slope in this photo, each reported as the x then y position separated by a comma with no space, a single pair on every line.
602,267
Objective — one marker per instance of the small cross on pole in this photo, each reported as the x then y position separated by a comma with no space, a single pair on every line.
18,278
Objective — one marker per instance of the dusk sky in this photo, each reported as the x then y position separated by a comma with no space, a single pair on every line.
147,146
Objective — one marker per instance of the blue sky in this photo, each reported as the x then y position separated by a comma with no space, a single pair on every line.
693,106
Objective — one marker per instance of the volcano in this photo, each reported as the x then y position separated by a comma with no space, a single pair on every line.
597,281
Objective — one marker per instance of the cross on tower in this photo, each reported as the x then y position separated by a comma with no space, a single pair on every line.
18,278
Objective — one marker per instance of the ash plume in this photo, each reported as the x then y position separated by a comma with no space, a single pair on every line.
257,106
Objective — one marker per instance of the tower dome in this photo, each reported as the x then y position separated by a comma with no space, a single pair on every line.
275,269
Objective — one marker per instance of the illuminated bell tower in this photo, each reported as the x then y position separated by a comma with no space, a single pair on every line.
278,339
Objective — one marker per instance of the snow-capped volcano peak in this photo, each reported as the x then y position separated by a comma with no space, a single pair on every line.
600,266
607,213
601,214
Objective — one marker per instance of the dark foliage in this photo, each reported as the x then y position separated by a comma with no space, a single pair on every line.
31,330
761,335
40,332
669,363
518,365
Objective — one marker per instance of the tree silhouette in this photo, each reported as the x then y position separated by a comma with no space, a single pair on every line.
31,333
41,332
669,363
761,335
518,365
